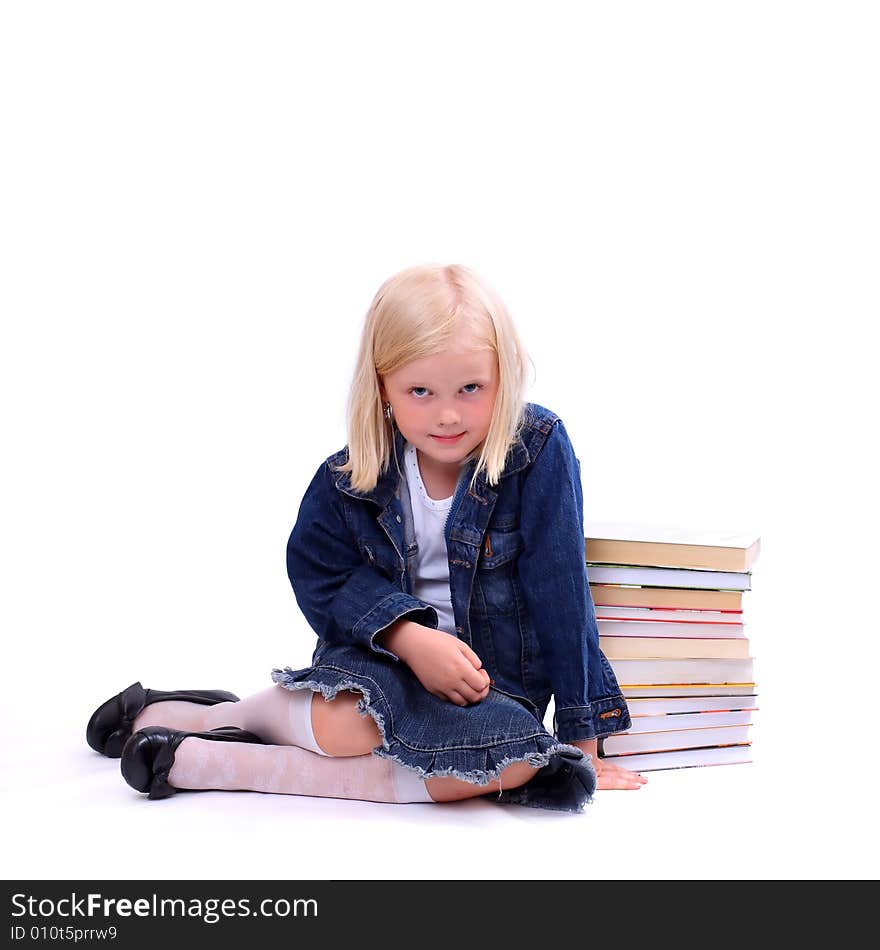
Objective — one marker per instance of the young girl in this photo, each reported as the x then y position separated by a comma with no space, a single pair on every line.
439,557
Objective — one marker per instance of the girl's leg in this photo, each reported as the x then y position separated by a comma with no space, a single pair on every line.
279,716
299,724
448,789
289,770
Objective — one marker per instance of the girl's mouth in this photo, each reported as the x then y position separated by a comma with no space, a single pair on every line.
448,440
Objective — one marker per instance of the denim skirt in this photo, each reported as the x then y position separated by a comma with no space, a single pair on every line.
437,738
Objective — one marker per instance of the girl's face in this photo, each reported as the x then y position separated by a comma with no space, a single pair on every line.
451,393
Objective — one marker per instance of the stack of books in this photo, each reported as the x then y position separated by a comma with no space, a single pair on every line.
669,610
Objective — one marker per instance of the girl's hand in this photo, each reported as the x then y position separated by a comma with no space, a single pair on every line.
446,666
608,774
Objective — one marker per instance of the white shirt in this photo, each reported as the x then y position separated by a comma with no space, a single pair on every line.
431,581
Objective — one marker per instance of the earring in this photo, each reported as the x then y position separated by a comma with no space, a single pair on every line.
388,411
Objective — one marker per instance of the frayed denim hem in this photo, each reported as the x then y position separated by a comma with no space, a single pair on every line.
565,780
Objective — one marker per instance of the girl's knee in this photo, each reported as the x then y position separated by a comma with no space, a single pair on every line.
517,774
338,727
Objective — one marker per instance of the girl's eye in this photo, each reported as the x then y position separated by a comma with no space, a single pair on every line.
466,386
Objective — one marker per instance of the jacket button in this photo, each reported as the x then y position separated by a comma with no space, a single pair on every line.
398,519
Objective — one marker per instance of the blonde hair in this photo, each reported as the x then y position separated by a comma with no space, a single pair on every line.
414,314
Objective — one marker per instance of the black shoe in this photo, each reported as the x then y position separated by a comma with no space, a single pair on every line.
111,722
148,755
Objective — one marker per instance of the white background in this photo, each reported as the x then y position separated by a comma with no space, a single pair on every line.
679,204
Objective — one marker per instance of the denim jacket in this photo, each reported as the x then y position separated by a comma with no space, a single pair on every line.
517,573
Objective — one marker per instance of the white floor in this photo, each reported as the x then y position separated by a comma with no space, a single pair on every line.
70,815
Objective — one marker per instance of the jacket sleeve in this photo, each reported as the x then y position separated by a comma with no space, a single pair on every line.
344,599
553,572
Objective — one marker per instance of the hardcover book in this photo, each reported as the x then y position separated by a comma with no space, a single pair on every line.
666,577
671,615
615,595
619,648
698,720
641,706
682,671
624,743
651,628
685,758
669,546
660,690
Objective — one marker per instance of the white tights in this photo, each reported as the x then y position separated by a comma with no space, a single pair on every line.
291,764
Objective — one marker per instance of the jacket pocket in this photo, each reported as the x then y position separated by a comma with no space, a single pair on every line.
496,567
376,554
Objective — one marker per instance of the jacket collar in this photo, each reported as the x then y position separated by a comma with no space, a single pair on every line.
387,484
